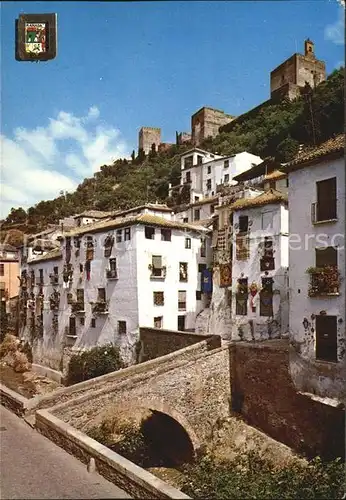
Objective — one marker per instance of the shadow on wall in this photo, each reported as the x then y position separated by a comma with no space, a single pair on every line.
264,394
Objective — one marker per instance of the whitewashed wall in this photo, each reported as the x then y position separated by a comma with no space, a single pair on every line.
263,327
302,194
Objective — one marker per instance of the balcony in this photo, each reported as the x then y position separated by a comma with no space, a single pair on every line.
112,274
77,307
157,273
100,307
324,281
54,279
323,215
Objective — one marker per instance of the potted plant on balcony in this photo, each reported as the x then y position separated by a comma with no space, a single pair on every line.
323,281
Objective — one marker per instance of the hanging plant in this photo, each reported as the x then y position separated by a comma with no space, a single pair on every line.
253,289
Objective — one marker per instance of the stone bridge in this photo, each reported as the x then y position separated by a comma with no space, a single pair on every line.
191,385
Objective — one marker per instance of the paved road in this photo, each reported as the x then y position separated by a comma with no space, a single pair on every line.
32,467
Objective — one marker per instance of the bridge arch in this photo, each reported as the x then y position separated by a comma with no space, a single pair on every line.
164,415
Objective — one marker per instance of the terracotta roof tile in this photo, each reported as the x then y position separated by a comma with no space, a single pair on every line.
276,175
147,219
316,154
267,198
52,255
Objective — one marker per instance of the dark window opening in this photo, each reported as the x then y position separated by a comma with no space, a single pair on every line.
226,164
209,184
266,297
326,257
157,266
202,267
158,322
188,243
326,338
93,322
166,235
183,276
181,323
119,235
243,224
127,234
188,177
159,298
122,327
101,295
72,325
149,232
198,295
326,199
242,297
197,214
209,169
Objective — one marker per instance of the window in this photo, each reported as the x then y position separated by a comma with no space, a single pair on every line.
287,182
41,276
243,223
181,323
93,322
101,295
149,232
89,242
188,162
55,270
242,297
182,300
198,295
183,271
185,220
242,247
226,178
108,245
166,235
267,262
80,295
266,297
196,198
76,241
158,321
127,233
82,321
267,220
72,326
188,177
199,160
119,235
326,257
212,209
326,199
122,327
196,214
203,247
209,184
188,243
157,270
2,269
209,169
159,298
202,267
272,185
326,338
113,264
226,164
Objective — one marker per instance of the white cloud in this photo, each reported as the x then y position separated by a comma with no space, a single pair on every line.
336,32
36,164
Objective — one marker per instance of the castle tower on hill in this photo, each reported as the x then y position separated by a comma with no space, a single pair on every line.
290,77
147,137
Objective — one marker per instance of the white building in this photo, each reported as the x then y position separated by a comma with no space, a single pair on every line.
197,212
114,277
259,274
317,269
204,171
90,216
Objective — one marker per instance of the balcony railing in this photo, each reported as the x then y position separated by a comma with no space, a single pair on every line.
325,215
324,281
112,274
100,307
77,307
54,279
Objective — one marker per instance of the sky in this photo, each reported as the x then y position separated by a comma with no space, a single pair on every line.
124,65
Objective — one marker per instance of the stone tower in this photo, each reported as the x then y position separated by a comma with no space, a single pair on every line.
147,137
206,123
287,79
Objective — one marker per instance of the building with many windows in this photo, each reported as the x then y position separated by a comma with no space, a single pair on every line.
110,278
317,269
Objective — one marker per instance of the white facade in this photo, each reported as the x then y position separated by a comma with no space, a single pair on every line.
199,211
267,221
312,373
212,171
129,292
149,209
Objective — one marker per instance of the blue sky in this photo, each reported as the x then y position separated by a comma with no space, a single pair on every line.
123,65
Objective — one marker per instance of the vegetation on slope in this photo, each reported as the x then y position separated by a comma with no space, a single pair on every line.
274,129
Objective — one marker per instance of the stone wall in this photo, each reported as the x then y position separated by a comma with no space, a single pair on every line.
156,342
194,390
264,394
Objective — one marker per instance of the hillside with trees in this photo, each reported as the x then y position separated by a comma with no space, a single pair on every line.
272,129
